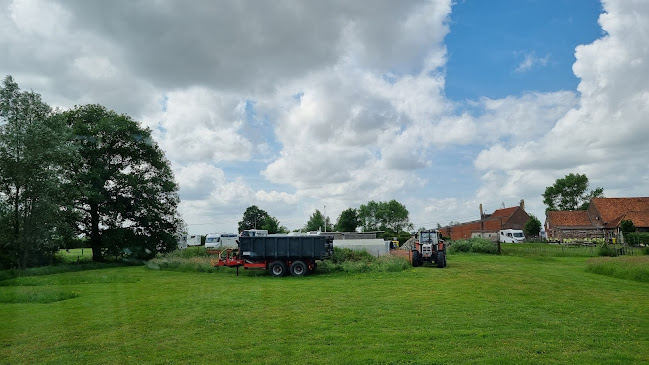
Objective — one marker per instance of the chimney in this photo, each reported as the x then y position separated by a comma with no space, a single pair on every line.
523,204
481,213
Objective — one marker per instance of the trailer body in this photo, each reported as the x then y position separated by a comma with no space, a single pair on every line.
279,254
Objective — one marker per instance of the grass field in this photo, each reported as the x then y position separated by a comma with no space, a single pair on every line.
480,309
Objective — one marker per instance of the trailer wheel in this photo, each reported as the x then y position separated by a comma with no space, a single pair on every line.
299,268
277,268
441,259
416,258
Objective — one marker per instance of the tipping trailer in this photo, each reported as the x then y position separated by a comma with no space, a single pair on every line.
278,254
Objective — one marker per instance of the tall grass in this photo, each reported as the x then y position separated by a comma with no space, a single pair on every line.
629,267
474,245
349,261
344,260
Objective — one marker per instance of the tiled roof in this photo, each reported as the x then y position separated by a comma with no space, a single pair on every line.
613,210
504,213
570,218
639,219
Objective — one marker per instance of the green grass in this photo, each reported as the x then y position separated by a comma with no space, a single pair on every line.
548,250
75,255
480,309
629,267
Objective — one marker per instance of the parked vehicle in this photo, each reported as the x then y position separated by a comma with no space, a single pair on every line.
220,240
278,254
511,236
429,247
254,233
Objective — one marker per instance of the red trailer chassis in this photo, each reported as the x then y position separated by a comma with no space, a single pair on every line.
276,267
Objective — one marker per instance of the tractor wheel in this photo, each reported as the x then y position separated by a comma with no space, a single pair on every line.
299,268
277,269
441,259
416,258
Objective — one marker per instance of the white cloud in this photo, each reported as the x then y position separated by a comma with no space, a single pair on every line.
530,61
295,105
605,134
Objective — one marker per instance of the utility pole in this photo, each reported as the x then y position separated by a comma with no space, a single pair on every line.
325,218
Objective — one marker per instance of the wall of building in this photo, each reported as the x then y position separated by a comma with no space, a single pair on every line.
517,220
583,234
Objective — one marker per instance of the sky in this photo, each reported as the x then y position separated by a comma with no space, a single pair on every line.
295,106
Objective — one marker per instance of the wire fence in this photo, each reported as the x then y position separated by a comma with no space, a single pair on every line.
567,250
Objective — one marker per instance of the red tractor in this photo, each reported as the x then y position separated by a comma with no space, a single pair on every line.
429,247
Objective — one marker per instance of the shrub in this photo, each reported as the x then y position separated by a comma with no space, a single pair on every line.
636,238
459,246
475,245
606,250
363,263
347,254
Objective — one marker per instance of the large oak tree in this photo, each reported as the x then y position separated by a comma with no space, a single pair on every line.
125,189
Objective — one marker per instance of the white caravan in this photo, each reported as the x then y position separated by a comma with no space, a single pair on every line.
221,240
194,240
254,233
511,236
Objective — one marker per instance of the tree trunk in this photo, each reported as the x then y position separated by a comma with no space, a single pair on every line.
95,237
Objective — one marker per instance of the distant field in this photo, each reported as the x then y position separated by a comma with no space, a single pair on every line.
76,254
480,309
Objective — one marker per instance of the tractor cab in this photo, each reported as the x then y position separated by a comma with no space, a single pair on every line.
429,247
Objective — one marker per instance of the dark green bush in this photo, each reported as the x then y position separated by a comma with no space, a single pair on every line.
606,250
636,238
475,245
347,254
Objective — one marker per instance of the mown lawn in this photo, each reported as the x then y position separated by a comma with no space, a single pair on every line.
480,309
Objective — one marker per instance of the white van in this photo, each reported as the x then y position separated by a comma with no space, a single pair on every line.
213,240
511,236
254,233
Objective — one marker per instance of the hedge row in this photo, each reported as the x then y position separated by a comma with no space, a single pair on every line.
636,238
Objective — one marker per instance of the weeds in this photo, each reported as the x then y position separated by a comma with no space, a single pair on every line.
344,260
475,245
630,268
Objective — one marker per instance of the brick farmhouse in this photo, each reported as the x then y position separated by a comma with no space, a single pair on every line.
489,224
601,220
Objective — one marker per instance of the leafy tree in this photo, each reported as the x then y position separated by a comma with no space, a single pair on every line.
570,193
271,224
125,187
532,226
33,156
317,222
627,226
347,220
390,215
253,218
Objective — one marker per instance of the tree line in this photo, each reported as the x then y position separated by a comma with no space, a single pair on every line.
392,218
88,174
